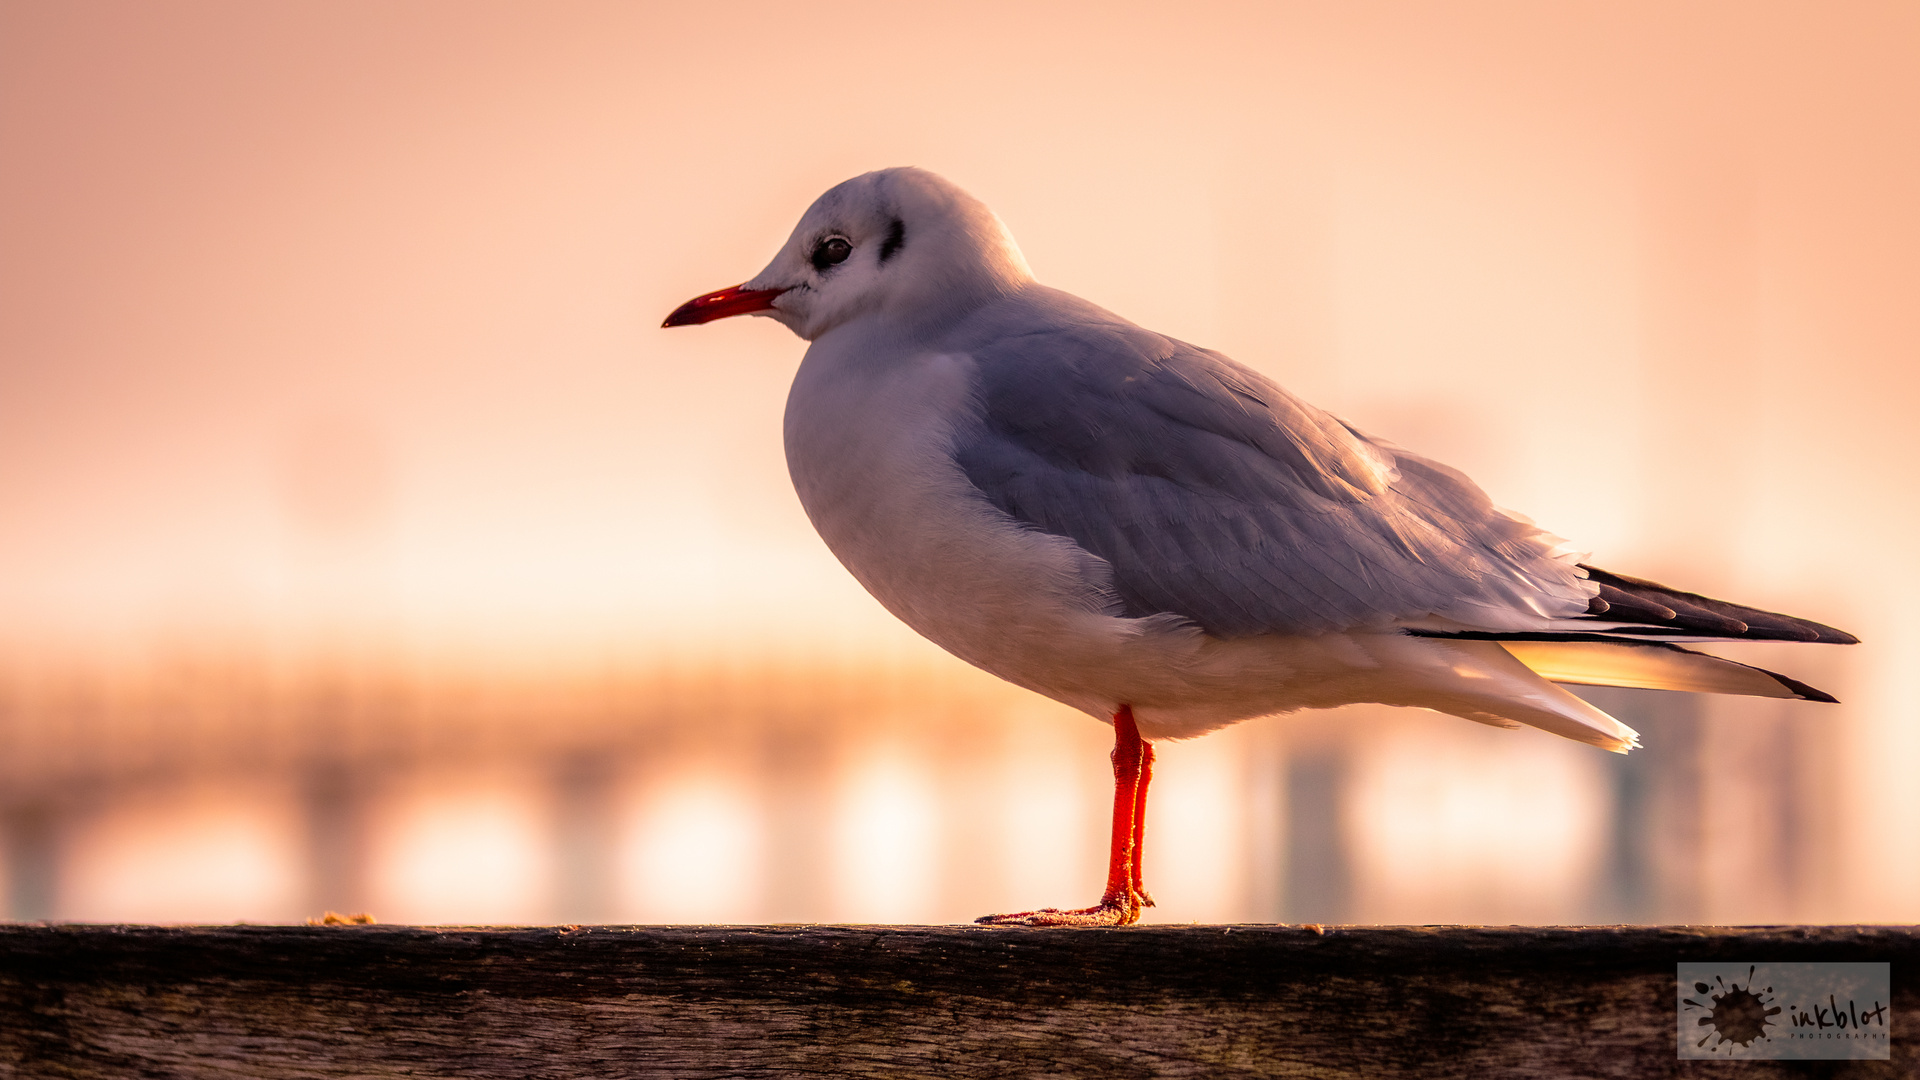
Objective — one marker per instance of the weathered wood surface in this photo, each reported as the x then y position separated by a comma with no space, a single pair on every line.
723,1002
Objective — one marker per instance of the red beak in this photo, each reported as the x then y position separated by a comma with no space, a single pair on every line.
721,304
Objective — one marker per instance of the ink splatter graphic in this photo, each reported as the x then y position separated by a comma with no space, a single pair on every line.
1737,1014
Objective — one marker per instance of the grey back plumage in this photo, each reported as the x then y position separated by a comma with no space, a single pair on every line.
1216,495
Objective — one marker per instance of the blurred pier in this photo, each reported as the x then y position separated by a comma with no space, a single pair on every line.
787,790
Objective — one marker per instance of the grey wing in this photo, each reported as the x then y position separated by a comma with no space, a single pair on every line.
1216,495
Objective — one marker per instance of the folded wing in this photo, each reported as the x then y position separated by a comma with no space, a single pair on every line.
1216,495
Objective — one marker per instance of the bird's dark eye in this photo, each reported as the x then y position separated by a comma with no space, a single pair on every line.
832,251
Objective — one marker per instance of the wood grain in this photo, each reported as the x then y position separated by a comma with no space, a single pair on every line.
820,1001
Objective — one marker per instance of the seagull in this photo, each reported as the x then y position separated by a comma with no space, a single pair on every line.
1160,537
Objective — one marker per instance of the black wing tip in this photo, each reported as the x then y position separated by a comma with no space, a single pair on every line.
1794,686
1800,690
1637,600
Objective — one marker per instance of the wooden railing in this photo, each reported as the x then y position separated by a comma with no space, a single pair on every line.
831,1001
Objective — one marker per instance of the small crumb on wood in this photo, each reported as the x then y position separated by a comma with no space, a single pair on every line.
334,918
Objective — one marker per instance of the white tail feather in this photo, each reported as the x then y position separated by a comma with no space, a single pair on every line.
1490,686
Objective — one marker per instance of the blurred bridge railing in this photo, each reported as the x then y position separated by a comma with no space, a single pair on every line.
784,789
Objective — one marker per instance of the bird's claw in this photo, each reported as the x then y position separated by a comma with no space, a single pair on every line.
1110,911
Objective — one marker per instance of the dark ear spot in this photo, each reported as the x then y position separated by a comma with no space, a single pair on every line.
896,239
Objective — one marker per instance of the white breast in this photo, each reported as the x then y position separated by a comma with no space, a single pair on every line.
870,450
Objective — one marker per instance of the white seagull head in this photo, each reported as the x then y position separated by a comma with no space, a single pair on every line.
902,242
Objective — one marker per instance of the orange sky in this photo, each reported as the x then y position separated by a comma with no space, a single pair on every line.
325,321
325,314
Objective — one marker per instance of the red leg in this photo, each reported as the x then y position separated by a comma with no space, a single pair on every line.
1140,823
1121,903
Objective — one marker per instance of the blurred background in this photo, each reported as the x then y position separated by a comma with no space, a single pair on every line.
365,545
